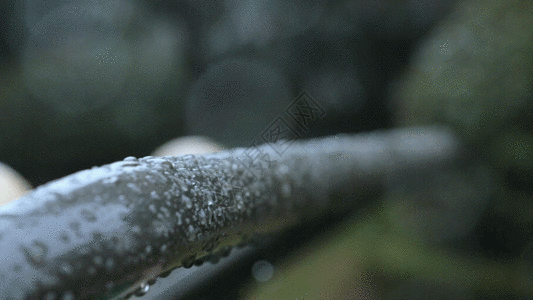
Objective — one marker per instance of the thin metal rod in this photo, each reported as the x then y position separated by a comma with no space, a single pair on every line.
108,232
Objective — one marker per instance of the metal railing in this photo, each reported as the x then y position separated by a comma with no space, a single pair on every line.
109,232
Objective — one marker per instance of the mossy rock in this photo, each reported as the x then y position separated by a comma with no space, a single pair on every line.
473,72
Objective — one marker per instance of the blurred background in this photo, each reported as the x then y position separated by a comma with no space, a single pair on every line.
86,83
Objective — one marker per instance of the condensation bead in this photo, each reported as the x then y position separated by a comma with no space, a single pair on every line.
36,253
152,208
51,296
142,290
134,188
88,215
68,296
178,218
165,211
65,269
187,201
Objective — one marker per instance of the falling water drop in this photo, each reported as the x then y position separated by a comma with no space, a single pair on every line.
262,270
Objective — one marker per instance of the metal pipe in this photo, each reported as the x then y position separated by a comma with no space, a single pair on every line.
108,232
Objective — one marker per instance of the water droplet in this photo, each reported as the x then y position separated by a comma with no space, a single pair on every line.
98,260
142,290
200,261
286,190
282,170
154,195
111,180
203,217
132,186
165,274
84,250
209,198
64,238
164,248
262,270
36,253
225,251
17,268
210,217
65,269
152,208
68,295
188,262
50,296
191,234
178,216
88,215
167,164
148,249
109,264
183,186
165,211
91,270
136,229
214,259
209,245
75,226
187,201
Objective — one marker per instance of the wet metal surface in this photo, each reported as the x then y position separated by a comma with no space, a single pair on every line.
109,232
